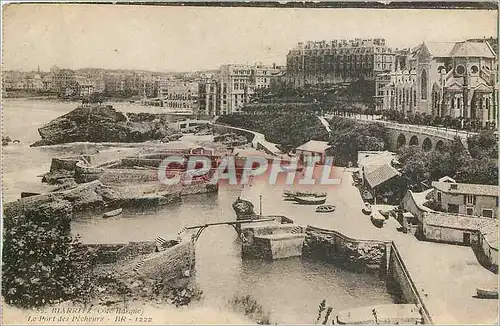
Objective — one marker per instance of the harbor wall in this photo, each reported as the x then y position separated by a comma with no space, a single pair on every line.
401,284
334,247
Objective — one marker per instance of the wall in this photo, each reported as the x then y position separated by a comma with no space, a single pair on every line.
111,253
482,202
408,203
170,264
401,284
124,176
449,235
491,253
332,246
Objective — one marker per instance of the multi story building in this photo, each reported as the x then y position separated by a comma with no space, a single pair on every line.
464,198
209,98
234,85
337,61
62,78
114,82
180,95
455,79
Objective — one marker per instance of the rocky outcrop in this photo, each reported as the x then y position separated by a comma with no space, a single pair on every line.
244,209
90,196
103,124
231,139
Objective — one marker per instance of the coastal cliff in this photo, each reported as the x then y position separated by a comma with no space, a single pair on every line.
103,124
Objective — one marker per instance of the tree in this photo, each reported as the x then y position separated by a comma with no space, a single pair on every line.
42,263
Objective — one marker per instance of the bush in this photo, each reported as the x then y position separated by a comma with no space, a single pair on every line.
42,263
250,308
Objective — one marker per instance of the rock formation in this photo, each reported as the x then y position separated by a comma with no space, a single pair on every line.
103,124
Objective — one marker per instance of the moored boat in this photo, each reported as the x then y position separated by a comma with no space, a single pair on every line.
310,200
490,293
377,219
325,209
367,209
112,213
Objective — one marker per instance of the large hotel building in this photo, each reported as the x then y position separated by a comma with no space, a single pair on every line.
338,61
233,86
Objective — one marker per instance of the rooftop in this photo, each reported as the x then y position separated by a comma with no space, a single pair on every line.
314,146
460,49
377,175
466,188
487,226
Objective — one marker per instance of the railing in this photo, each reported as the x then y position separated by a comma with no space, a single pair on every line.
424,311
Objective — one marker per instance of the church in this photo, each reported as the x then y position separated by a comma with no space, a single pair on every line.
453,79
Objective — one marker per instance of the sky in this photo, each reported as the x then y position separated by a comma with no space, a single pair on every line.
197,38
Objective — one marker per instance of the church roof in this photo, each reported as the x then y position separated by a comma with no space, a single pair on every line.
440,49
459,49
472,49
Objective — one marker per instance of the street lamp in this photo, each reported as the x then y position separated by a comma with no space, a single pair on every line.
260,205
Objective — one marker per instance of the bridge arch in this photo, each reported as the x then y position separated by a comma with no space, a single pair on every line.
427,144
401,141
439,145
413,141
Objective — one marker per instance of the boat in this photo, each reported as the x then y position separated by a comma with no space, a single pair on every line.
367,209
377,219
289,193
325,209
112,213
490,293
310,200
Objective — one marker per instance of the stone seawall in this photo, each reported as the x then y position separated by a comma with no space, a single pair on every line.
125,176
112,253
334,247
170,264
401,285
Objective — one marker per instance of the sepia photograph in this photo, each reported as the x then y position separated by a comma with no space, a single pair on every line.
249,163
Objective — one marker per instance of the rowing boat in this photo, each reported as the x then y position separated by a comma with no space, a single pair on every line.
377,219
487,293
112,213
325,209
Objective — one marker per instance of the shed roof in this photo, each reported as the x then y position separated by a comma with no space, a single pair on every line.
379,174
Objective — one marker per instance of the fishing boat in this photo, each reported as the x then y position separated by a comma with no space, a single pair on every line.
377,219
310,200
367,209
112,213
325,209
490,293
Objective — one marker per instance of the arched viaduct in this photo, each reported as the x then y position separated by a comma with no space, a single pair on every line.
427,138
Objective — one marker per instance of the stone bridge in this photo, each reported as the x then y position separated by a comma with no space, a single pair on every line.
427,138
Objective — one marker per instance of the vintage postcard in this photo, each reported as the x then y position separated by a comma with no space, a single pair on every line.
256,163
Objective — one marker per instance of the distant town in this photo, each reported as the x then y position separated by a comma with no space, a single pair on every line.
444,79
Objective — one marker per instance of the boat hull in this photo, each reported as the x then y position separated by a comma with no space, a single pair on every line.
112,213
487,293
378,222
310,200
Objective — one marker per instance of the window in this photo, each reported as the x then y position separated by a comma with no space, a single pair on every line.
423,85
460,70
487,213
474,69
470,211
439,196
469,199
